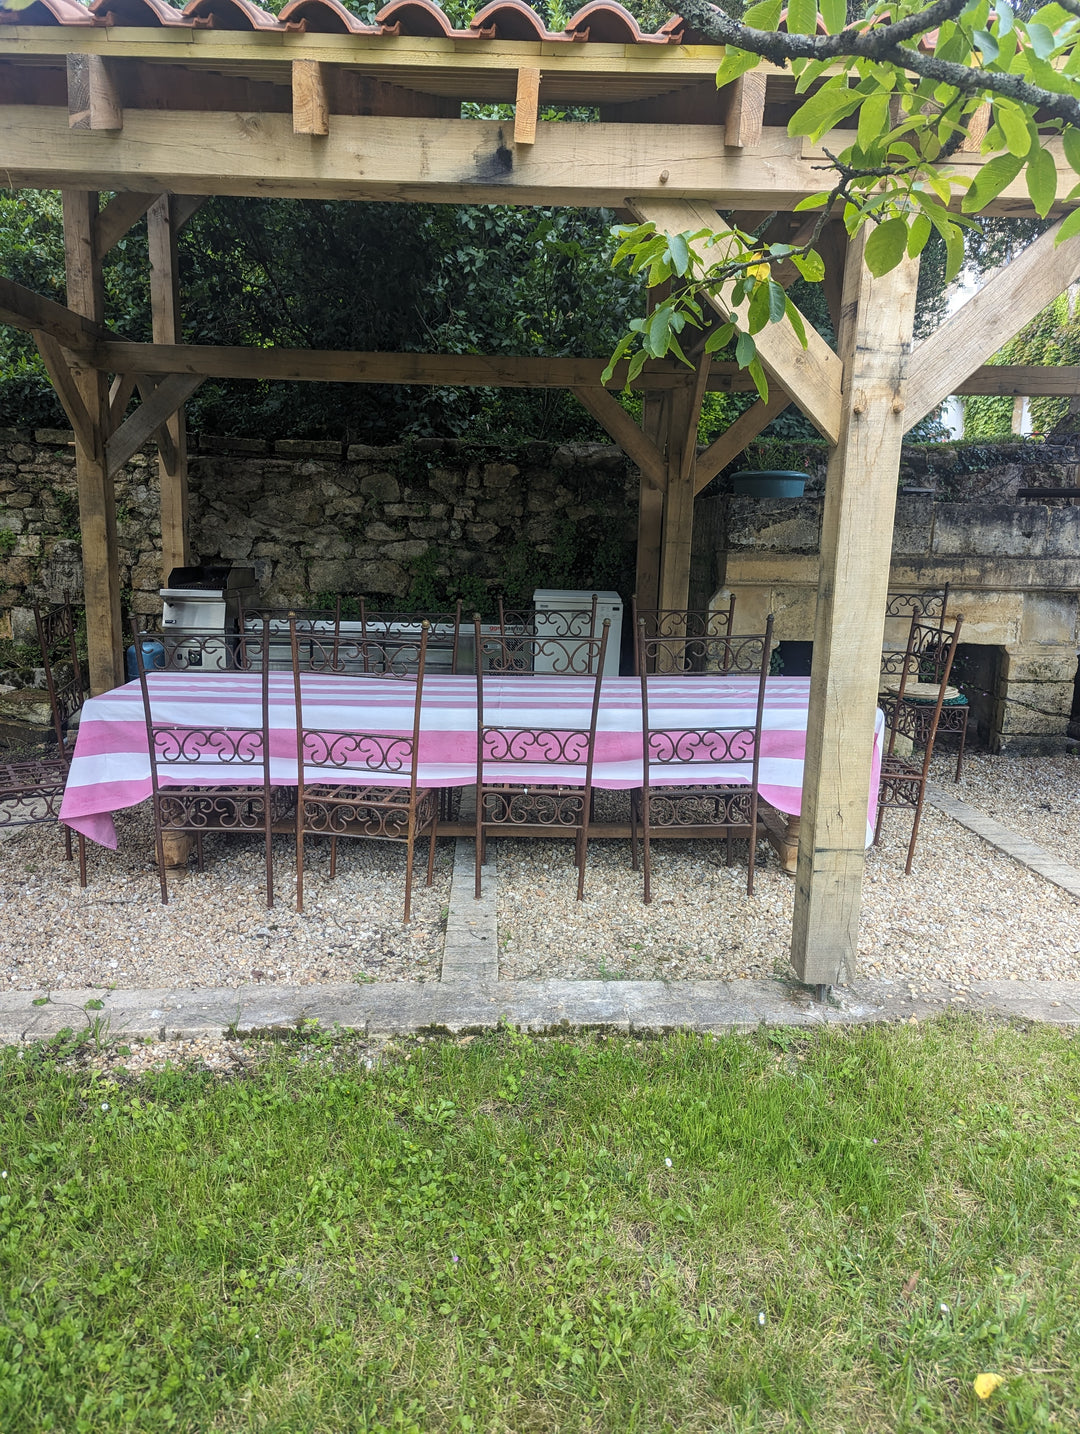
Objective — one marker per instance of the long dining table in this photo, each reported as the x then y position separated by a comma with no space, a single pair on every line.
110,769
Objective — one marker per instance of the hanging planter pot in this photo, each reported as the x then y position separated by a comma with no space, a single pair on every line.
769,483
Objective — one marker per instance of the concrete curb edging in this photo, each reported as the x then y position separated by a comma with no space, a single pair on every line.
1028,853
391,1008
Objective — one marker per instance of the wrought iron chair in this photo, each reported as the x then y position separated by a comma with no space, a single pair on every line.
179,748
956,709
444,630
326,621
701,633
514,650
520,770
360,783
913,710
715,806
32,788
551,622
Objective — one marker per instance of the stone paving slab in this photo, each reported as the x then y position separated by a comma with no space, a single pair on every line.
471,947
646,1007
1020,848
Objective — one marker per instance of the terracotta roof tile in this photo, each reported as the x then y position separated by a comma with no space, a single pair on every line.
600,21
323,17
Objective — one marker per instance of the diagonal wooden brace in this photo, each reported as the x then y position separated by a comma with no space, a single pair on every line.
170,394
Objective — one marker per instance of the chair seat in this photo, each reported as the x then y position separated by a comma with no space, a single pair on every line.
516,804
367,811
31,792
719,806
925,692
220,809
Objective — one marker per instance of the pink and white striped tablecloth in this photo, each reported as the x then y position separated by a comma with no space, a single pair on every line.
111,765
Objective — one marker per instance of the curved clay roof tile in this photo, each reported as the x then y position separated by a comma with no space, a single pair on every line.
325,17
48,12
231,15
509,20
606,23
137,12
415,17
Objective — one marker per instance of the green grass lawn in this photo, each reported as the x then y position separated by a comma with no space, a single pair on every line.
836,1232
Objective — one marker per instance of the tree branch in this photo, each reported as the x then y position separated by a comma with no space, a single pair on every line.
884,43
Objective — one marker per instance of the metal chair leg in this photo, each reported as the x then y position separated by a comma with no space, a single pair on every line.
82,859
963,742
431,853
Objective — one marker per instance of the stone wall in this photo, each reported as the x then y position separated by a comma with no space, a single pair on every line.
413,524
1014,571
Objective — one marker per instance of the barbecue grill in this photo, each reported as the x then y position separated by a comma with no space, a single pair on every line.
201,600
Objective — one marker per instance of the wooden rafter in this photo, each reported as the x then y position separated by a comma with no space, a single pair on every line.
725,449
616,422
93,97
812,376
526,105
310,107
23,309
148,418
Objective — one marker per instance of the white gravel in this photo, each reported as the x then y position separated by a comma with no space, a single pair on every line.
216,929
966,912
1036,796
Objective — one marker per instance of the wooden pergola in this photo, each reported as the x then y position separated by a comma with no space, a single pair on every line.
162,108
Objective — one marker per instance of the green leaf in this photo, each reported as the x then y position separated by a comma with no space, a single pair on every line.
796,320
1042,180
757,373
834,13
987,44
1070,225
813,201
1014,126
746,349
719,338
735,63
758,315
765,16
1042,40
918,235
832,103
995,175
777,302
1070,139
873,120
811,266
802,17
680,253
1005,18
886,246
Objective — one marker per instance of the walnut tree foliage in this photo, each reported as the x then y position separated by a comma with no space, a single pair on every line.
907,78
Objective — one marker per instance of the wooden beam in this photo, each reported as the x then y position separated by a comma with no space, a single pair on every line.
526,105
310,107
650,531
745,114
342,366
617,423
67,391
183,206
833,248
97,498
162,229
812,375
443,161
1027,380
1004,304
114,221
24,309
120,391
856,546
978,123
725,449
684,410
93,98
147,419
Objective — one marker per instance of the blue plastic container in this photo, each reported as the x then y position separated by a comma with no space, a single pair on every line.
153,656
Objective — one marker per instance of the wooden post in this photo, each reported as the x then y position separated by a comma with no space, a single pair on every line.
172,455
97,498
683,411
651,506
856,547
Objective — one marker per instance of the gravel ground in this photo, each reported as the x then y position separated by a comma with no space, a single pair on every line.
965,913
1037,796
216,930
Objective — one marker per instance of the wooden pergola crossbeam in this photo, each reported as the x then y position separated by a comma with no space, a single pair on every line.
150,415
24,309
